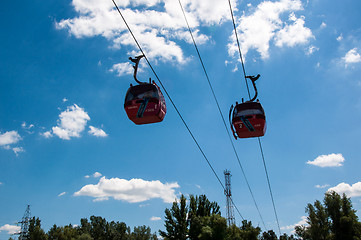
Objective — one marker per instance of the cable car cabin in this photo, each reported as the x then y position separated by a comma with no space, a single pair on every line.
145,104
248,120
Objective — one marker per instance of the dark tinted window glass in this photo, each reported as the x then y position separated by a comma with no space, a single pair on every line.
142,91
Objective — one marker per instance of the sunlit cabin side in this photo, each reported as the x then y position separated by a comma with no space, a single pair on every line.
249,120
145,104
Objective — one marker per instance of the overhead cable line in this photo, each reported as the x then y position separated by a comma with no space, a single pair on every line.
269,185
175,107
239,48
259,141
237,208
219,109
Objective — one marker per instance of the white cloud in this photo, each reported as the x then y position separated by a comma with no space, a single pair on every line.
11,229
46,134
159,26
1,183
322,186
353,190
101,199
9,138
311,49
62,194
18,150
258,29
294,34
144,205
323,25
71,123
97,132
209,11
134,190
122,69
94,175
303,221
331,160
156,24
352,56
155,218
339,38
155,46
184,35
25,126
65,99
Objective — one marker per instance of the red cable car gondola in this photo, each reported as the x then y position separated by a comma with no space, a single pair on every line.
144,103
248,118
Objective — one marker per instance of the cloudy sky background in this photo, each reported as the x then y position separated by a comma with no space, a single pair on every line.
68,149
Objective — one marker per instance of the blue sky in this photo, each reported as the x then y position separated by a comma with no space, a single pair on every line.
68,149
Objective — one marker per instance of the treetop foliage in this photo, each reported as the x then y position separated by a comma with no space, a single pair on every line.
334,219
95,229
200,219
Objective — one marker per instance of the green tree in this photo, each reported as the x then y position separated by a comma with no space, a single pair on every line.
335,219
85,236
286,237
200,207
70,232
344,222
206,233
269,235
234,233
245,232
218,225
98,228
213,227
143,233
302,232
200,220
55,233
63,233
176,221
118,231
35,232
248,232
85,226
319,224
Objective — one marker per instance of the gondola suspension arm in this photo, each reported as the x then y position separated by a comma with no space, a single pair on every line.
136,61
254,79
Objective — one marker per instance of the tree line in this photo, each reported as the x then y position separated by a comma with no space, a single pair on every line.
97,228
200,219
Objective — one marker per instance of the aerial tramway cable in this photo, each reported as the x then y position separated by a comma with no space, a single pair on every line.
175,107
269,185
239,48
259,140
219,109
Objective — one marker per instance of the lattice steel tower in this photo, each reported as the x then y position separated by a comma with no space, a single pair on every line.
227,192
25,221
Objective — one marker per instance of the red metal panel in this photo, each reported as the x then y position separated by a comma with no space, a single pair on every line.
154,111
250,113
258,124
